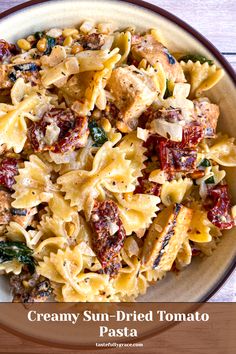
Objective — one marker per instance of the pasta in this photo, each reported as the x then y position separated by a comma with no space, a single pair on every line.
134,151
11,267
13,127
223,151
33,184
202,76
123,42
111,169
200,229
175,191
184,256
132,213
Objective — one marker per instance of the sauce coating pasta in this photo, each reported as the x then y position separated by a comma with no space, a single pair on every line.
111,166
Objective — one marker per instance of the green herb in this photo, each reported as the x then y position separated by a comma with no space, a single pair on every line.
10,250
205,163
167,92
171,59
38,35
98,134
210,180
196,57
51,42
21,212
26,67
12,76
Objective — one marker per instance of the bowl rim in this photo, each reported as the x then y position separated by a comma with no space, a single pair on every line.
227,67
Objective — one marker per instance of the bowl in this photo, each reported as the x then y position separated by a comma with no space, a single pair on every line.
203,277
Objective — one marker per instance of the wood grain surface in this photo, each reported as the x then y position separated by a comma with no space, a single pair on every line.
215,19
215,336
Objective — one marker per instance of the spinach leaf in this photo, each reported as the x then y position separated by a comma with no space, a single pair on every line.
12,76
38,35
51,42
171,59
98,134
196,57
10,250
27,67
167,91
21,212
205,163
210,180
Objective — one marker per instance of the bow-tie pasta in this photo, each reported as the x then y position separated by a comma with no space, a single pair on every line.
112,171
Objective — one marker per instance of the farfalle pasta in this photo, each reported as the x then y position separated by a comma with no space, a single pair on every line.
202,77
33,184
9,267
13,127
111,171
134,217
223,151
111,168
175,191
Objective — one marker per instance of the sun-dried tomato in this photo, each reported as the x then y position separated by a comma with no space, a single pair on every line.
29,72
175,159
193,132
173,156
93,41
6,50
219,207
8,171
151,144
147,187
192,135
112,268
109,232
73,131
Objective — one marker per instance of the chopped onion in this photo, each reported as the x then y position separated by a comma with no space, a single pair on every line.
113,228
203,190
172,131
108,42
54,32
57,55
52,133
201,182
142,133
87,26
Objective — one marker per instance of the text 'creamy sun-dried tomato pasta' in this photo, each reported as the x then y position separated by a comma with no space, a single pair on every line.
111,169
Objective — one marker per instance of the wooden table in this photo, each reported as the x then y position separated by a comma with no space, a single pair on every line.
215,19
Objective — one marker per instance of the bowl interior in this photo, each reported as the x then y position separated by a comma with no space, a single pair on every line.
203,274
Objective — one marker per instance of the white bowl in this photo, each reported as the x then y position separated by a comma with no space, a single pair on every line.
204,276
